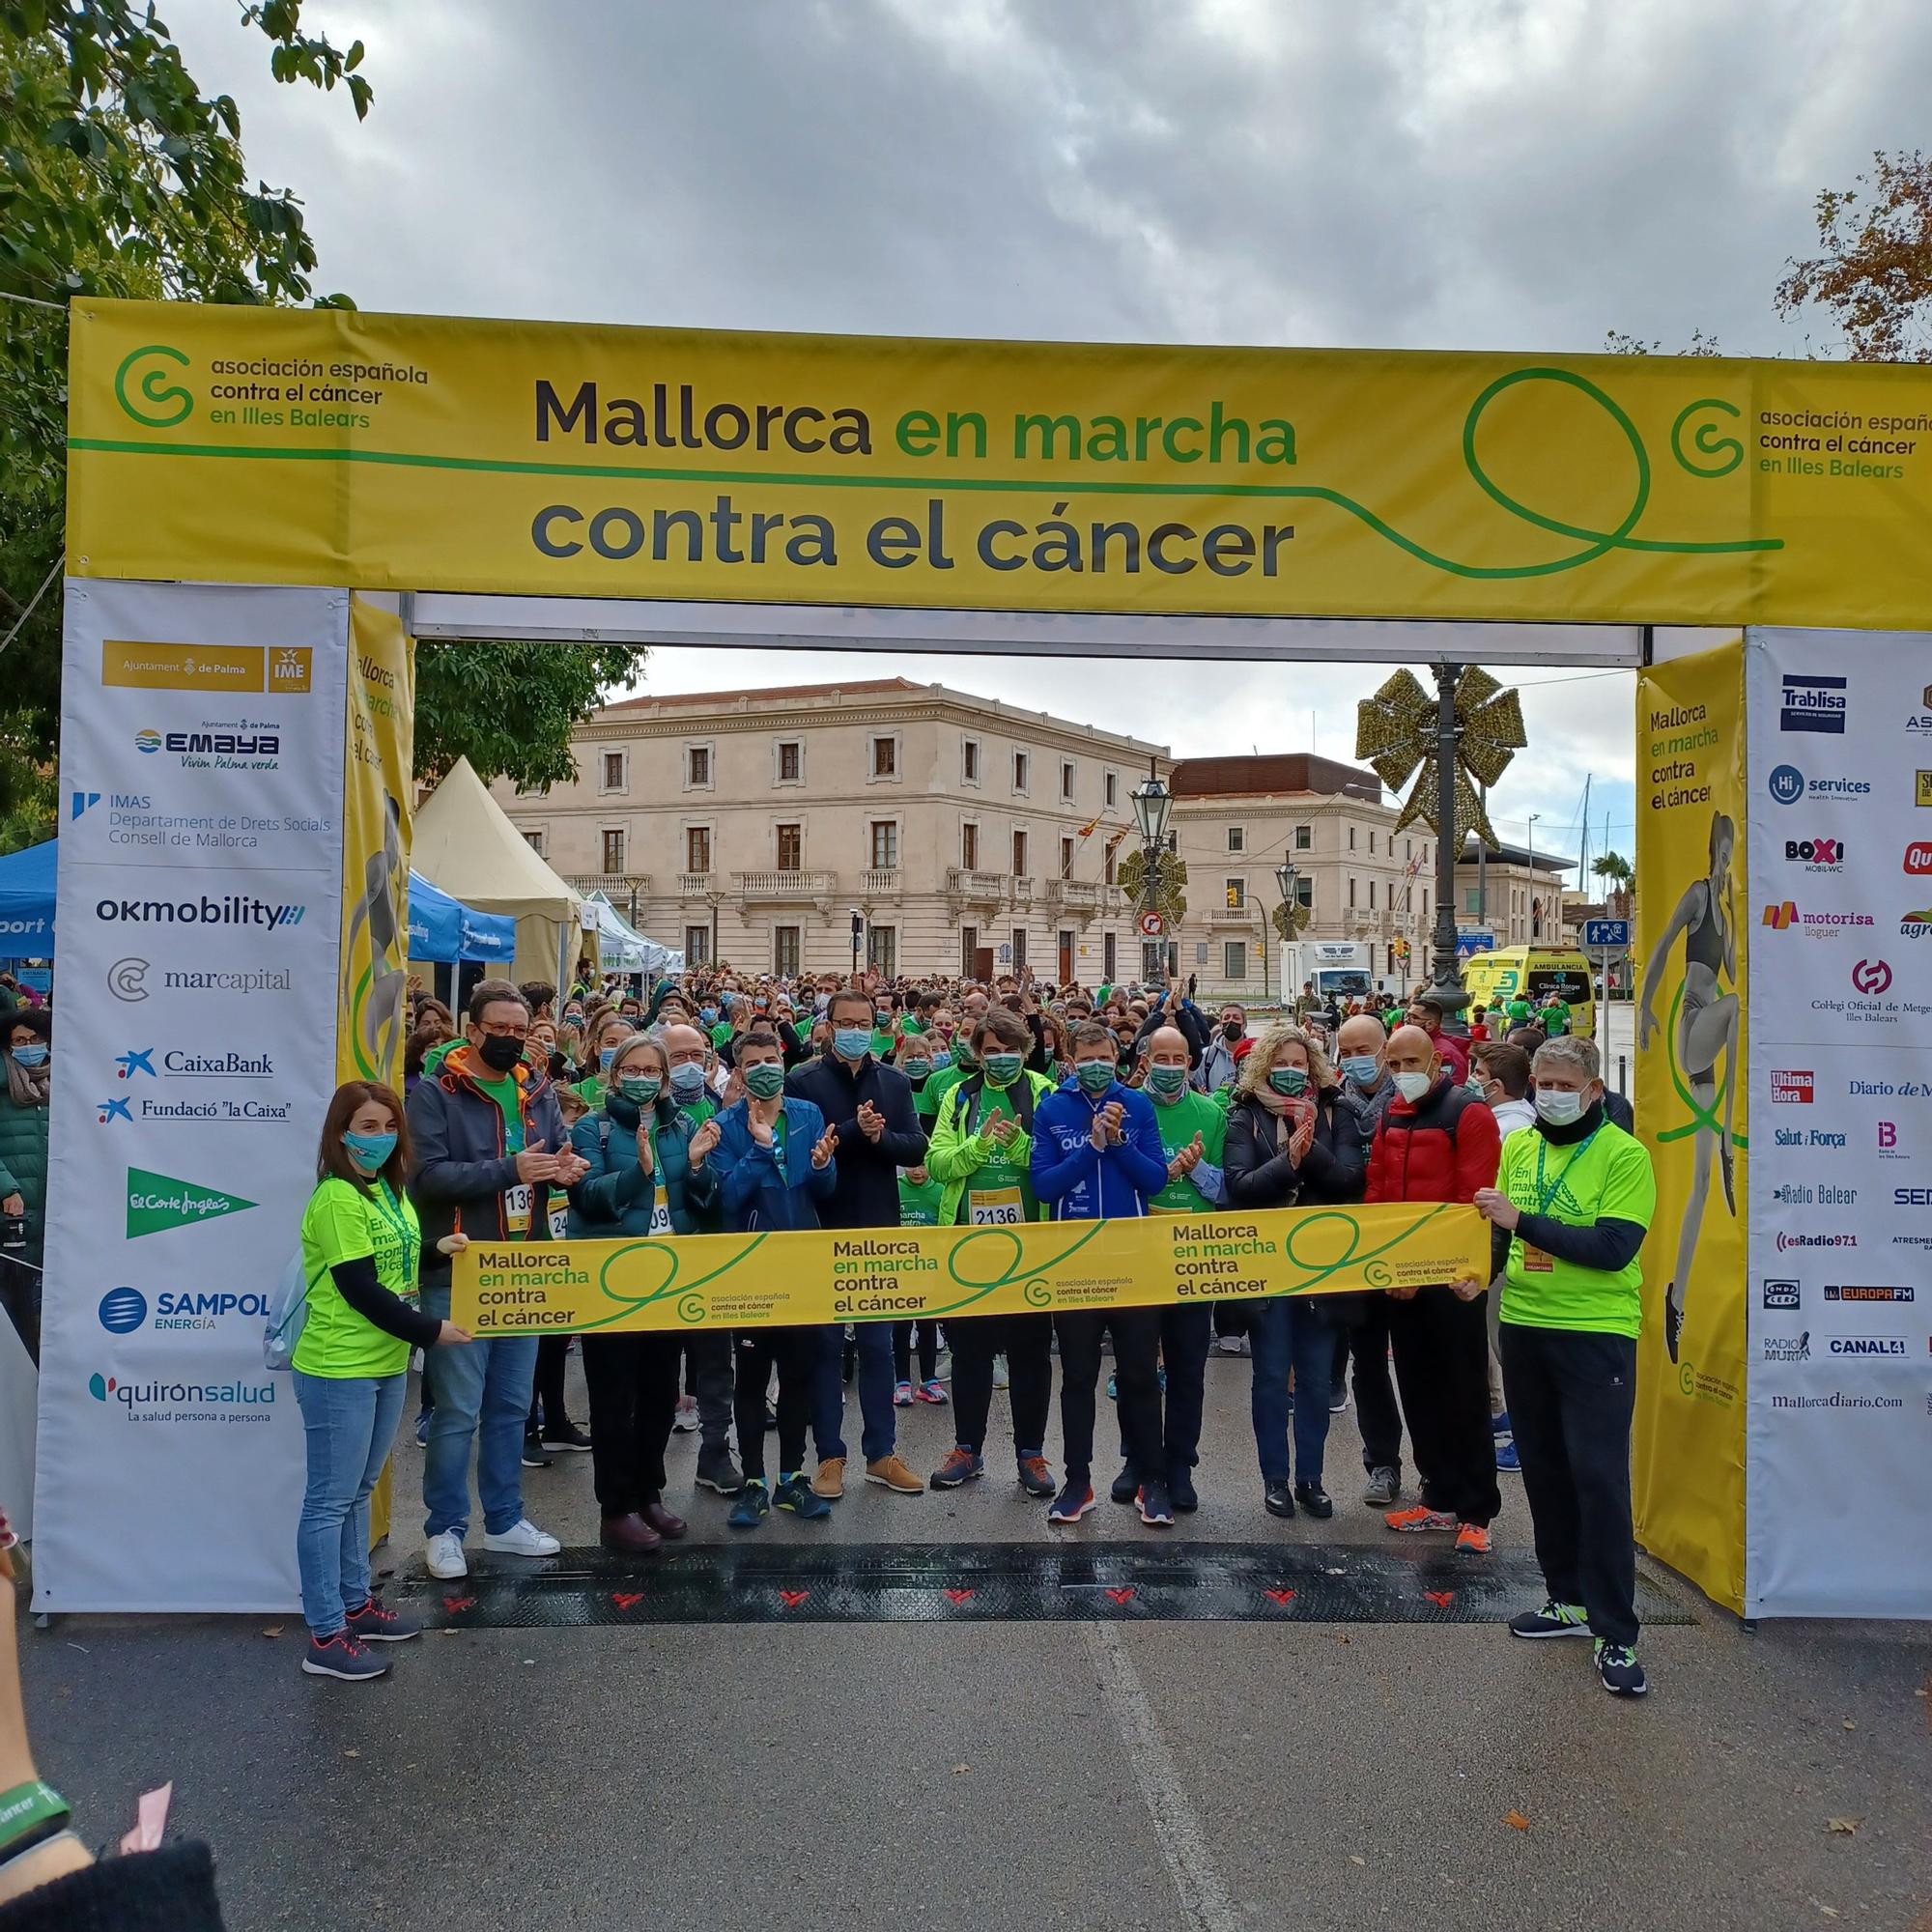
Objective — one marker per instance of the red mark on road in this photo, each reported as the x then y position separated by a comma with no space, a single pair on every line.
959,1596
1280,1597
455,1603
1120,1596
626,1599
1442,1598
792,1598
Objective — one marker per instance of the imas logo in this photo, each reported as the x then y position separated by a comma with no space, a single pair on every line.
186,1402
156,1203
122,1310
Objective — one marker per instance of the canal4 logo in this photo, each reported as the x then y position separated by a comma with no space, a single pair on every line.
124,1310
1787,785
1888,1347
1816,855
1814,705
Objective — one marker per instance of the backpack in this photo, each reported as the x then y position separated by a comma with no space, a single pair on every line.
288,1314
967,1094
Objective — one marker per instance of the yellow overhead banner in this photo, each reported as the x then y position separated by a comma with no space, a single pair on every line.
905,1274
438,453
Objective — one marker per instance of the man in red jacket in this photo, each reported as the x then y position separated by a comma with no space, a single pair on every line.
1436,1141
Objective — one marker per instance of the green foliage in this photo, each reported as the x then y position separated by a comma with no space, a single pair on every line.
1615,868
1170,881
1873,273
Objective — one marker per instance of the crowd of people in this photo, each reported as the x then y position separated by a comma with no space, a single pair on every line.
726,1102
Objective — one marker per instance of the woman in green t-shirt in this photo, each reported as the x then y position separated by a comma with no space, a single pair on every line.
360,1247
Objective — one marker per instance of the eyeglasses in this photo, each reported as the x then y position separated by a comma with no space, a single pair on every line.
500,1032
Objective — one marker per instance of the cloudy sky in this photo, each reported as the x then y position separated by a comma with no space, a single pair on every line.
1479,174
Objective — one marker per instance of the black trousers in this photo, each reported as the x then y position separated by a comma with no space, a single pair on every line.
546,1385
795,1353
1186,1334
1027,1343
928,1350
1570,1400
707,1375
632,1381
1376,1413
1442,1367
1136,1333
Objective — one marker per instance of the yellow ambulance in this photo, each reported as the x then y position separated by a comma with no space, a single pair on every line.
1534,972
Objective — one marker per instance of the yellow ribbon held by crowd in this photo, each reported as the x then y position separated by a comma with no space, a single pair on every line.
904,1274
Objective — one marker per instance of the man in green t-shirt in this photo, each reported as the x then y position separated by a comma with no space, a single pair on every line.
1193,1128
1519,1011
1555,1016
1575,1195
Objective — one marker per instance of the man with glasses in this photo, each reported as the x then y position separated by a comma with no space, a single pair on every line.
490,1148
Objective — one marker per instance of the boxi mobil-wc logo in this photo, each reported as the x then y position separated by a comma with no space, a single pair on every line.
156,1203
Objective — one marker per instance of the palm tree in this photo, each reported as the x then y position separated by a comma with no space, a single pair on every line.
1621,876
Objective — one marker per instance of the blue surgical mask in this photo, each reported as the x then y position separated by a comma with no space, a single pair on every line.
851,1042
30,1056
708,1014
686,1082
1094,1076
605,1059
1363,1068
369,1152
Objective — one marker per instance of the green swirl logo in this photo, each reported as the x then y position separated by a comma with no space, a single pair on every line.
1729,451
691,1309
1687,1380
1038,1293
1379,1274
170,404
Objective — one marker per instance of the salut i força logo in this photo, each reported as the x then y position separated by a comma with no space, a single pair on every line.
124,1310
241,1102
1787,785
1813,703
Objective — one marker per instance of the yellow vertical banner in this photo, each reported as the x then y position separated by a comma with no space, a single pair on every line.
377,788
1689,1452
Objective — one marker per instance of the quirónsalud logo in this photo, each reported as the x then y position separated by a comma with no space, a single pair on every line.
166,402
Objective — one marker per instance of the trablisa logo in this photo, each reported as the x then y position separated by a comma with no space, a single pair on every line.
1814,705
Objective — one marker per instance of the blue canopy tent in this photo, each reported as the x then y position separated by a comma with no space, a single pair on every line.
444,930
27,903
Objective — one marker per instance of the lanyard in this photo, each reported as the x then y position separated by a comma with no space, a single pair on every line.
410,1239
1546,1195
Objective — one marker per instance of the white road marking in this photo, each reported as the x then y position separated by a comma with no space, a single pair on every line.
1204,1902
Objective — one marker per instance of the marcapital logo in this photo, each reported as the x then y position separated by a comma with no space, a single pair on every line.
126,979
1814,705
1919,859
156,1203
1871,977
1790,1088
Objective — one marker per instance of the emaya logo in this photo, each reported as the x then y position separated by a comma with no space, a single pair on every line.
155,1203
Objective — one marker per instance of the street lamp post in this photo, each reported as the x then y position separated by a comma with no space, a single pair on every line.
1533,817
1151,803
1446,989
1288,880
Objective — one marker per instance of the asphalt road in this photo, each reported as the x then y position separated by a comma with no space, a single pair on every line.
1175,1776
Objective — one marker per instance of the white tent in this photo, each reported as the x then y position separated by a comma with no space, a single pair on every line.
621,948
467,847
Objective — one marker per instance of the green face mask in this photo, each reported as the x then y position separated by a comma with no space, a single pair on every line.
642,1088
1094,1076
1166,1081
765,1081
962,1056
1289,1080
913,1068
1003,1068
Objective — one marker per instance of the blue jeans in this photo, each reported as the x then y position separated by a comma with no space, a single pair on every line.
350,1425
875,1391
482,1392
1285,1334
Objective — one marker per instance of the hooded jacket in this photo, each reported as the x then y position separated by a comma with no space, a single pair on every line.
765,1190
1259,1172
1077,1182
616,1197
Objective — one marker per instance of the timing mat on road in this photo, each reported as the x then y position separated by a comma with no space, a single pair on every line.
769,1583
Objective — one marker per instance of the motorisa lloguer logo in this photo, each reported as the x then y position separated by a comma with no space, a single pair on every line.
124,1310
158,1400
236,1098
216,745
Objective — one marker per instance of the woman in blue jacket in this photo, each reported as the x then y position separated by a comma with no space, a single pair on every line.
775,1162
650,1177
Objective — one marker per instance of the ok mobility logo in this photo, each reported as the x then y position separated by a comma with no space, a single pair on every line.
156,1203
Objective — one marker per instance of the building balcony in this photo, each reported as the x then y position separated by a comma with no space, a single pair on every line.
697,885
1022,885
1243,918
617,887
975,887
800,888
879,883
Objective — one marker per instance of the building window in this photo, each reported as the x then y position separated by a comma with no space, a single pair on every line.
1066,780
1305,891
1424,906
1066,858
969,846
1107,957
969,943
697,849
1021,763
698,946
535,841
784,952
886,758
613,850
1372,895
1019,855
885,844
1019,948
697,767
1233,960
969,765
1237,839
1372,841
1352,892
1237,893
1304,837
613,772
1109,790
1472,901
791,761
790,846
1352,838
1107,872
882,950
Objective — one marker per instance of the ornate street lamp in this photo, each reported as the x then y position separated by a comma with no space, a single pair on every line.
1153,802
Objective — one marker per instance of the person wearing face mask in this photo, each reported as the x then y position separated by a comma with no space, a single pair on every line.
981,1156
913,1057
1454,1052
1216,1069
1295,1139
360,1243
1499,1073
1437,1142
870,1107
23,1166
648,1174
607,1034
1097,1156
490,1149
1573,1199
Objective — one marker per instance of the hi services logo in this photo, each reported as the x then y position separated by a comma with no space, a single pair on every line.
1791,1087
1783,915
158,1203
185,1402
138,1064
1814,705
1787,785
218,748
122,1310
1816,855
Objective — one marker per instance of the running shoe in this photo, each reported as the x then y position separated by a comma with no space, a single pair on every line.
797,1497
1499,1426
961,1465
1181,1492
1036,1474
1383,1488
533,1453
1338,1399
1408,1521
1156,1511
1127,1485
1673,1320
1621,1673
423,1416
902,1395
1472,1539
1072,1503
341,1656
684,1417
376,1623
929,1392
1507,1460
752,1507
1113,1388
716,1471
1554,1619
567,1437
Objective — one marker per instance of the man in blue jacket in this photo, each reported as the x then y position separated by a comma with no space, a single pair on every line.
775,1170
1097,1157
869,1106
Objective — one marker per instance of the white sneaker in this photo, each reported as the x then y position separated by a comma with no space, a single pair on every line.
1002,1379
524,1539
442,1556
683,1418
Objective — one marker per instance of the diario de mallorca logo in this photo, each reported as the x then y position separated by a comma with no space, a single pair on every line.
156,1203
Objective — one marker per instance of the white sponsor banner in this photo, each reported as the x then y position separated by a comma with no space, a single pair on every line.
1839,1417
199,917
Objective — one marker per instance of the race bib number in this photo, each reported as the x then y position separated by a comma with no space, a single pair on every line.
517,1208
995,1208
1535,1261
559,1219
660,1219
